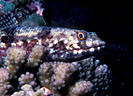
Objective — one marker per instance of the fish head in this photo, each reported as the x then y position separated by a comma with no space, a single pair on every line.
71,44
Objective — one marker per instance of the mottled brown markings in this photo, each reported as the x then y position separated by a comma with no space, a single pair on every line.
32,42
58,39
24,43
43,34
59,36
73,35
45,40
60,45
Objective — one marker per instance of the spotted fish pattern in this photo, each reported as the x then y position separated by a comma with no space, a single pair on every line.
60,44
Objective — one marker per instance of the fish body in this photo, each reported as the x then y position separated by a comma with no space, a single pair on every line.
60,44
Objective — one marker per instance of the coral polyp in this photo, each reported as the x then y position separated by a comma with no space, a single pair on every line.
14,59
80,88
4,81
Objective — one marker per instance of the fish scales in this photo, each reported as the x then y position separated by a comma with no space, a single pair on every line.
60,44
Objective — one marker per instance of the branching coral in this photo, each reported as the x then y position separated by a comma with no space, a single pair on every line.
4,75
80,88
60,76
27,78
35,56
15,57
4,81
46,72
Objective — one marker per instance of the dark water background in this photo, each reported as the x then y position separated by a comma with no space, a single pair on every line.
113,25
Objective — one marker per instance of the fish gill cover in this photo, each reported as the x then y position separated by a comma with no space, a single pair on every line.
37,60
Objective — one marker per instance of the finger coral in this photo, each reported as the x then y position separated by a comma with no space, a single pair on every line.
14,58
80,88
35,56
27,78
4,81
59,76
4,75
62,74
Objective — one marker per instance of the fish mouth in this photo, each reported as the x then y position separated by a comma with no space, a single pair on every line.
87,49
94,48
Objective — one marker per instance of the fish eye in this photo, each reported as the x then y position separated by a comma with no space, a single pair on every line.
81,35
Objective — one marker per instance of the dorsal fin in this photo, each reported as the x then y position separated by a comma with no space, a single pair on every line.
9,21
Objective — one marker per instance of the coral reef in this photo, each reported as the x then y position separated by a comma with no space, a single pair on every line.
27,78
80,88
62,74
89,74
15,57
6,6
4,81
35,56
79,78
45,61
